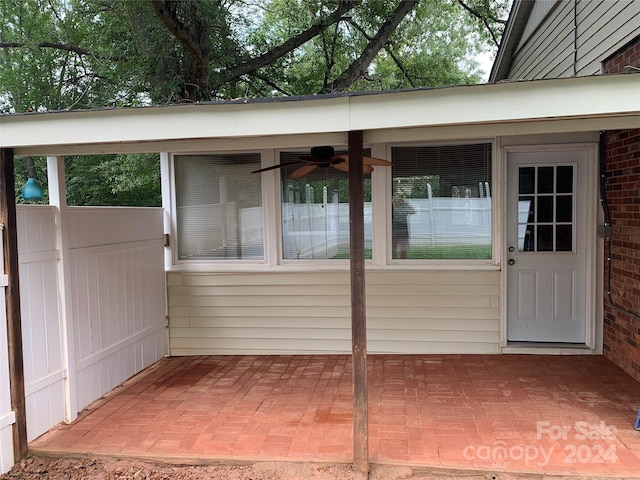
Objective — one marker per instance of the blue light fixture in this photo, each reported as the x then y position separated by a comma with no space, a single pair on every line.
32,191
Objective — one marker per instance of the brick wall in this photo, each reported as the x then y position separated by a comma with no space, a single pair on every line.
622,320
628,55
622,317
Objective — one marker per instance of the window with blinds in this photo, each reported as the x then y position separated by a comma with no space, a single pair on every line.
219,207
315,212
441,205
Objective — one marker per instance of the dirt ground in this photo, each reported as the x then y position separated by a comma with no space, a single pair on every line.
104,468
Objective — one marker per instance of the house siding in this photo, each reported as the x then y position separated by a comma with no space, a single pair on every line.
310,312
622,308
547,46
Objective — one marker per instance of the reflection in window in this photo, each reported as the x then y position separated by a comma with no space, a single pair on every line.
441,202
315,212
219,207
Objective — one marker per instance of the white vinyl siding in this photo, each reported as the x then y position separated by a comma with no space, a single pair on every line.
547,47
290,313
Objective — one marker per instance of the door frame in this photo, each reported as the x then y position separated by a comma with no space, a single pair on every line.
593,341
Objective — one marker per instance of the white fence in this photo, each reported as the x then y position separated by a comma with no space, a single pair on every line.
118,285
321,229
42,340
113,326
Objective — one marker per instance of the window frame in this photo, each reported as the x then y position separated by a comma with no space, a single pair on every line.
444,262
317,263
235,263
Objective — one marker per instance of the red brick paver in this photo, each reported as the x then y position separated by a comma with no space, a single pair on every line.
552,414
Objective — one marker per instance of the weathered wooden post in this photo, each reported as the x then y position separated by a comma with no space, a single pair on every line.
358,306
12,293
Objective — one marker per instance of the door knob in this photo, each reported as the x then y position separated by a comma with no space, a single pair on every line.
511,261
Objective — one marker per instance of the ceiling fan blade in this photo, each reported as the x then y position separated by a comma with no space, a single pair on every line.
302,171
376,161
280,165
344,167
368,160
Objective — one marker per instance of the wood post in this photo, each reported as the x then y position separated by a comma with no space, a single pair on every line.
12,293
358,306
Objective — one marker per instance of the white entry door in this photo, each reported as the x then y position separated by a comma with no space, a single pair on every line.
547,246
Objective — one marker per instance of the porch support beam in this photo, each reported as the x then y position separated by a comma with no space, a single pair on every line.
12,294
358,306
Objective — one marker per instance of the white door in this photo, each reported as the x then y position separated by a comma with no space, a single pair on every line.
547,246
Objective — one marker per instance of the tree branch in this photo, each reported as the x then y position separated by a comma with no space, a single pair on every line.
484,19
57,46
388,50
360,65
254,64
166,11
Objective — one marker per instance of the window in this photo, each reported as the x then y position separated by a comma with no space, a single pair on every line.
315,212
219,207
441,205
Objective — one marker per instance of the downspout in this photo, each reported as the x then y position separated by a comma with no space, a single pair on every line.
607,231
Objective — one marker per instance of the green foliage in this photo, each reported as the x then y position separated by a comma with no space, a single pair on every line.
126,180
119,180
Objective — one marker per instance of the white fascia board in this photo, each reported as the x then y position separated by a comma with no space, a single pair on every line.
176,122
513,107
584,97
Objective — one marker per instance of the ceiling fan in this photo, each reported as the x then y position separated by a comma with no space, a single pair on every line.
325,157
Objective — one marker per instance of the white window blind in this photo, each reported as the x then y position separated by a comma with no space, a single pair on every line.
219,206
441,202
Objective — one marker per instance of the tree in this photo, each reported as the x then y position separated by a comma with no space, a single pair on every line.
76,54
61,54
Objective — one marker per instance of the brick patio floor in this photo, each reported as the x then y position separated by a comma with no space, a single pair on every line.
553,414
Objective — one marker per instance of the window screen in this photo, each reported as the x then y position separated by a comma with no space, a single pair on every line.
315,212
219,206
441,202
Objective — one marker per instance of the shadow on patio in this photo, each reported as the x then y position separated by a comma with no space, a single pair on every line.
553,414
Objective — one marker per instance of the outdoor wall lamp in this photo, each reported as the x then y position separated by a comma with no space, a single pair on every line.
32,191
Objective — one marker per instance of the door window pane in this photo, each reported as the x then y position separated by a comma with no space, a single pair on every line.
527,178
219,207
545,238
545,209
564,238
527,209
441,202
564,208
565,179
545,179
315,212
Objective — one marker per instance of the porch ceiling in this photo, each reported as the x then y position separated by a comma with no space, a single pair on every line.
532,107
528,414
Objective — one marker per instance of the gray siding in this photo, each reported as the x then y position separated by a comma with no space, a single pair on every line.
546,49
